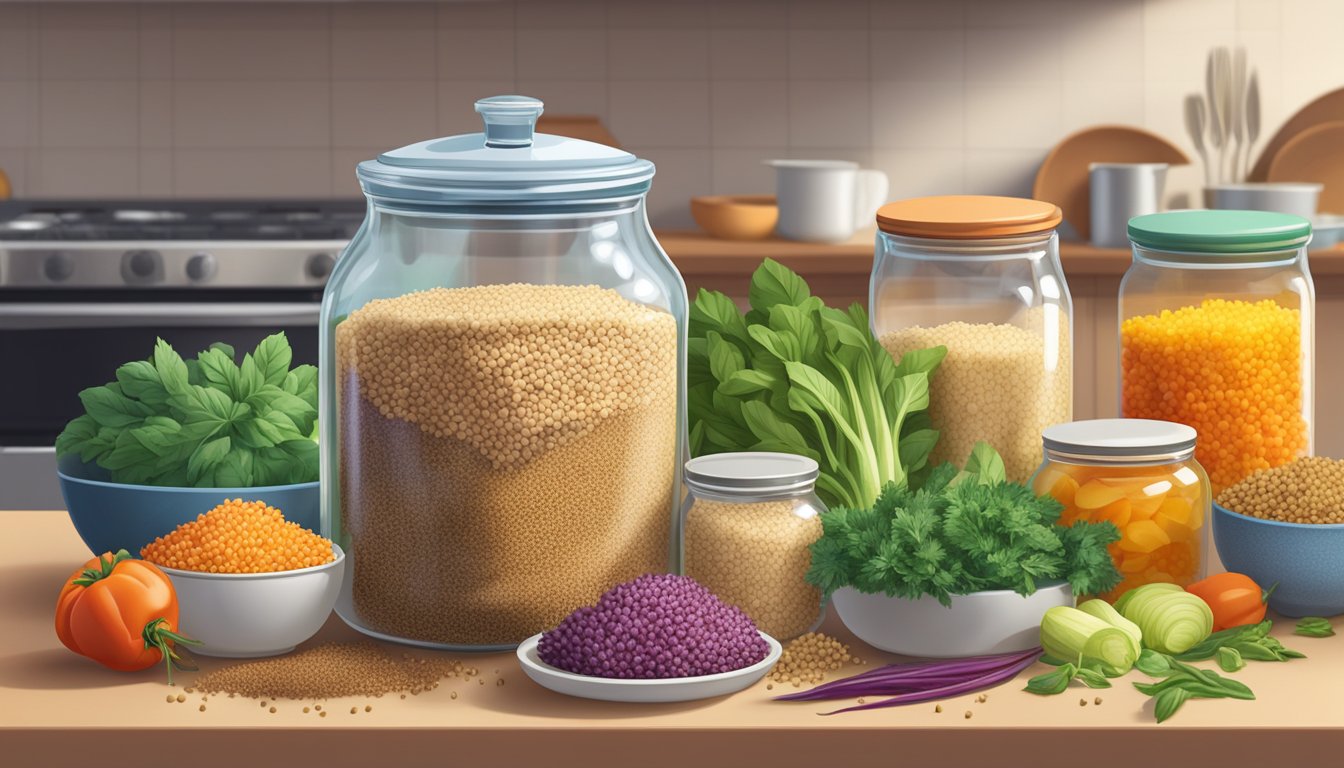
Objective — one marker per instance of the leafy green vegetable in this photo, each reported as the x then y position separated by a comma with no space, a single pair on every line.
796,376
1230,660
949,538
1182,682
1054,682
1252,641
206,422
1314,626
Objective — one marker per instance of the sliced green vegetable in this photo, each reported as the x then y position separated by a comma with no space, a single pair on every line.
1313,626
1087,641
1170,619
1107,613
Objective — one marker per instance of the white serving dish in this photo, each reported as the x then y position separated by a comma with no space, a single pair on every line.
994,621
1297,198
644,691
1326,230
248,615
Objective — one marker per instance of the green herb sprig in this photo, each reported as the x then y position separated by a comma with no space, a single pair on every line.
1251,642
1181,682
1314,626
207,422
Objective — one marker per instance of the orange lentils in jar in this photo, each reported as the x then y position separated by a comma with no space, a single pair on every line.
239,537
1231,369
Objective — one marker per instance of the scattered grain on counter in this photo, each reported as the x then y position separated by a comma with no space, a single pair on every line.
756,556
353,710
505,434
321,714
1082,702
1097,701
999,383
171,698
938,708
968,714
1230,369
1308,490
239,537
181,697
368,707
306,710
452,694
809,658
272,710
202,707
329,671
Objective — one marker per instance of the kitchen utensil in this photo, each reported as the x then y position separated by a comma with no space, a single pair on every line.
1327,108
1306,561
1121,191
826,201
111,516
1252,121
1213,84
1238,103
1314,155
736,217
1063,178
977,624
585,127
643,691
1297,198
1196,121
248,615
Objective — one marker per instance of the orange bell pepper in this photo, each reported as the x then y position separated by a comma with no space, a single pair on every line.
122,613
1234,598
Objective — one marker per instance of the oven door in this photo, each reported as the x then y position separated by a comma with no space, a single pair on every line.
51,349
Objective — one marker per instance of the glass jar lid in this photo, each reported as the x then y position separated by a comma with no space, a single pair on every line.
506,163
1220,232
1124,439
751,473
968,217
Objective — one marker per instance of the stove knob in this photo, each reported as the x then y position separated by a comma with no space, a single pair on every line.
320,265
201,267
58,267
140,266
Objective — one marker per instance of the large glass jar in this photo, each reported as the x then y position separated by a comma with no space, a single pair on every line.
981,276
748,525
1216,331
502,385
1142,476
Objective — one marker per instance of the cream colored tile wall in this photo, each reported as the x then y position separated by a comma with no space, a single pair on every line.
282,99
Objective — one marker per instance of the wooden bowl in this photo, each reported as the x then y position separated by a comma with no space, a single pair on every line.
736,217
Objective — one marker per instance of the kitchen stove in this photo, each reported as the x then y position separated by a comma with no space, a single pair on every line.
86,286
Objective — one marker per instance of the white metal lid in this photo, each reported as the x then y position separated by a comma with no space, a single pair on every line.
1122,438
751,472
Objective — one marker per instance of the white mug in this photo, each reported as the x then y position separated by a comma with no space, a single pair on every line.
826,201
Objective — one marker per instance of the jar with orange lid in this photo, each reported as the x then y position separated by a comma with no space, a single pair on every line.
1141,475
1217,315
981,276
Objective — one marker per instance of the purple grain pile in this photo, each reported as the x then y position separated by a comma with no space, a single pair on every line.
657,626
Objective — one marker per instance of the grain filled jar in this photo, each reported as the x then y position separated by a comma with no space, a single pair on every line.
748,524
981,276
1141,475
1216,331
502,385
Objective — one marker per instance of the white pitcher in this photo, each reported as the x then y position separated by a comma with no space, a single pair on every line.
826,201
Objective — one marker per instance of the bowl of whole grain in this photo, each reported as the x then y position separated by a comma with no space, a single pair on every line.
1285,526
249,582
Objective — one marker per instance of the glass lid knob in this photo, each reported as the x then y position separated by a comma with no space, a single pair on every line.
509,120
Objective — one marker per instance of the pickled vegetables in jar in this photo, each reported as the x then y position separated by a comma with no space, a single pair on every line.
1140,475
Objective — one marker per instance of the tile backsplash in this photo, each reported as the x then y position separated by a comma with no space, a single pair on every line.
271,99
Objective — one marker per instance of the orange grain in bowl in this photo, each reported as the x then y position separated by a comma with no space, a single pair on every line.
239,537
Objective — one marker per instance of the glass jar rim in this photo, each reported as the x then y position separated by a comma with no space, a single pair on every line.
751,473
1136,441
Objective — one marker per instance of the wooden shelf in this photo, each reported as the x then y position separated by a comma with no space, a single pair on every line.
59,709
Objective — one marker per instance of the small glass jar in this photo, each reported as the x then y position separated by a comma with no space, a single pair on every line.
748,524
1142,476
1217,316
981,276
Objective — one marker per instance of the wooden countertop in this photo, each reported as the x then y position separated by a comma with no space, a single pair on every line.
59,709
699,254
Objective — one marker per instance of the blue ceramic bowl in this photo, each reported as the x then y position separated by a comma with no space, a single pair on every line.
1306,561
111,516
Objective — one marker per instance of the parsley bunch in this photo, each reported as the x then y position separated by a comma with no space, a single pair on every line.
207,422
960,532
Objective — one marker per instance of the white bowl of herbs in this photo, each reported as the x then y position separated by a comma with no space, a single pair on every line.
966,565
170,439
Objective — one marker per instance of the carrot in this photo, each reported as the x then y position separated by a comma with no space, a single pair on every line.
1234,598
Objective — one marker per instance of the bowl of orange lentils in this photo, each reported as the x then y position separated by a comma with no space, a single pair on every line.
250,583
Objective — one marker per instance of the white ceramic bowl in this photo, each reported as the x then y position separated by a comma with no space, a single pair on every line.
247,615
994,621
1326,230
1299,199
644,691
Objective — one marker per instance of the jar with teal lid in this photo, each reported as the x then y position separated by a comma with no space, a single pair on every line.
502,385
1217,330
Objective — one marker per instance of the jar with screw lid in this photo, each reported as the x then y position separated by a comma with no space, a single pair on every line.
748,524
